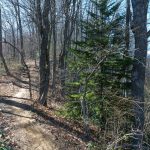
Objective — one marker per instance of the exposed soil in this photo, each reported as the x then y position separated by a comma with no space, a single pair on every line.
28,134
30,128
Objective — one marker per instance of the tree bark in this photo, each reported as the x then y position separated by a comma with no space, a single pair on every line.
20,28
54,27
128,19
139,28
44,28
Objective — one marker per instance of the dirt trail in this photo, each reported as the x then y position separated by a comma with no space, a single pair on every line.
29,129
31,136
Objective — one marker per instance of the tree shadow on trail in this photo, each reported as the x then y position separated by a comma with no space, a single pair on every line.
51,120
12,97
14,114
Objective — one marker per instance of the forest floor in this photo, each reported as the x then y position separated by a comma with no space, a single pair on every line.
27,127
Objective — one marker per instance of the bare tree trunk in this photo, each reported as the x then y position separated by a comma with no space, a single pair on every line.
139,28
128,19
63,53
69,27
53,19
44,28
16,5
20,28
14,41
127,40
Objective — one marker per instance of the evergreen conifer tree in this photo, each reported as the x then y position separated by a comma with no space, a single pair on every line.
100,73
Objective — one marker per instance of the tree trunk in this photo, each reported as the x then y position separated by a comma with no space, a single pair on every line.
53,19
139,28
128,19
20,28
44,28
44,69
14,41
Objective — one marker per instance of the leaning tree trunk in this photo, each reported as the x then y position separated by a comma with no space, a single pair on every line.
139,28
